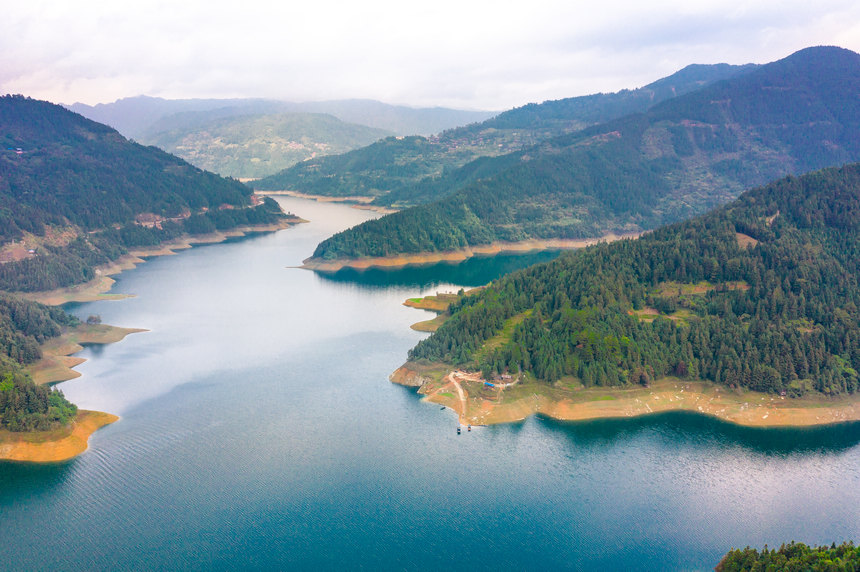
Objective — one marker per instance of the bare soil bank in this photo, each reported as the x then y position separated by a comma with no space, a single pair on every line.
53,446
456,255
57,359
479,404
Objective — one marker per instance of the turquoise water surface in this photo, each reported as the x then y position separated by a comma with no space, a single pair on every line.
259,431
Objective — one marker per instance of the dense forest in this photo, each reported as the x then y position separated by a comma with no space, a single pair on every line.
413,170
761,294
793,557
79,188
680,158
24,406
75,262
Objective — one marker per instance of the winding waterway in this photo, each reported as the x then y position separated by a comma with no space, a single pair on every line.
259,431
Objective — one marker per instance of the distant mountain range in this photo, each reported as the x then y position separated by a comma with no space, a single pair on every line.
252,146
251,138
138,116
402,173
681,157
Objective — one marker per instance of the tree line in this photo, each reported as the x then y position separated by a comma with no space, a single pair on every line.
25,406
795,556
775,311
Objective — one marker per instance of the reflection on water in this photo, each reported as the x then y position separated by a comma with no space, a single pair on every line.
706,431
30,480
475,271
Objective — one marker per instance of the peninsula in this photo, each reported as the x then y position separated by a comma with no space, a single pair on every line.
748,313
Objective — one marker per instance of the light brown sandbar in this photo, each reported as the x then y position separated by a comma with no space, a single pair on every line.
53,446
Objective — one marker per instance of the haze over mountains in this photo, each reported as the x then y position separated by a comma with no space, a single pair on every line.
679,158
136,116
253,146
252,138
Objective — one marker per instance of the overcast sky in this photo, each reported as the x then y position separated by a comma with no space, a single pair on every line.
454,53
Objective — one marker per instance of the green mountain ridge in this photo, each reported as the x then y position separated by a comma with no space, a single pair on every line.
81,187
678,159
251,146
406,173
762,294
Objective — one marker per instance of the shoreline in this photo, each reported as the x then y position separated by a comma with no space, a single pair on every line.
455,256
360,202
54,446
57,362
57,359
97,288
478,404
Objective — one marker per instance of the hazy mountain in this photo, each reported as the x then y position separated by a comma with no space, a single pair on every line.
256,145
401,173
681,157
761,294
135,117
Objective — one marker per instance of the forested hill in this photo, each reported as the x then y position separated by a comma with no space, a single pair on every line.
78,189
682,157
23,405
73,170
762,293
602,107
258,145
406,171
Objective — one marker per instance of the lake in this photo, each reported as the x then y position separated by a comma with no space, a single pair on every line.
259,431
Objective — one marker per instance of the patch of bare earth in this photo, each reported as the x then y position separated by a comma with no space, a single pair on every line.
57,359
745,240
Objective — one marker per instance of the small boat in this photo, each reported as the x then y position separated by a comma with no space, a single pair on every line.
470,427
458,429
443,407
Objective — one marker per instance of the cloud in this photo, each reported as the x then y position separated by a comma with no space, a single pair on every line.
454,53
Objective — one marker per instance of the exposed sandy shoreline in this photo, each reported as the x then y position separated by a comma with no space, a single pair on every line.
53,446
478,404
57,362
357,202
456,255
57,359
